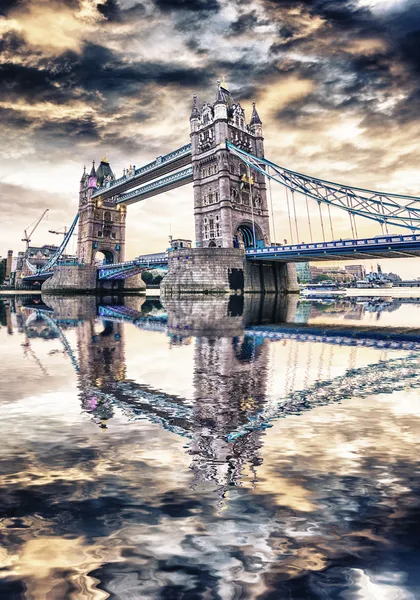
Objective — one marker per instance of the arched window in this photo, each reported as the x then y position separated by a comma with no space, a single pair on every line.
107,216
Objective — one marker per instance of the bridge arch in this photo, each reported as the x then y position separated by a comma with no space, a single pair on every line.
104,257
244,235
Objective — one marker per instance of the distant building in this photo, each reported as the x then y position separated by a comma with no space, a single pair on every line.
357,272
334,273
303,272
179,243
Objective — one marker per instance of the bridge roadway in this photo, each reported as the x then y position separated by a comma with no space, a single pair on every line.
384,246
160,166
387,246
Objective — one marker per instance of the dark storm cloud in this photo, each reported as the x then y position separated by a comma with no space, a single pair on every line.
245,23
72,76
110,10
61,133
188,5
7,5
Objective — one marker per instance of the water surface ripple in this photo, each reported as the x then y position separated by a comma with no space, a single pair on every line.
214,448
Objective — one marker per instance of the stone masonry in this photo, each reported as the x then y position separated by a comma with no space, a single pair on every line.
224,271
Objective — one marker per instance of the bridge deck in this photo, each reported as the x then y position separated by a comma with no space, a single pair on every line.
387,246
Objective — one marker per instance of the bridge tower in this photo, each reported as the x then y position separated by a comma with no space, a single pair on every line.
230,206
101,222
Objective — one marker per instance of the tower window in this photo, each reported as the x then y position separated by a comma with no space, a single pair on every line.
99,233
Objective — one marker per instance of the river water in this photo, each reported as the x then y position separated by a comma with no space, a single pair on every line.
210,449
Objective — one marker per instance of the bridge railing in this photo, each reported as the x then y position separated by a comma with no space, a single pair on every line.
382,240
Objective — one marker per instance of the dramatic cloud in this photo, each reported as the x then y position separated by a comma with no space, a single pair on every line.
337,86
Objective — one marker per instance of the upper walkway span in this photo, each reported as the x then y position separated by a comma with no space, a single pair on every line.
160,166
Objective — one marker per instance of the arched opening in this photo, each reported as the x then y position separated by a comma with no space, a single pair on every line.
103,257
244,236
212,244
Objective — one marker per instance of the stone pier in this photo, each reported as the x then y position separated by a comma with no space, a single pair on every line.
224,271
78,279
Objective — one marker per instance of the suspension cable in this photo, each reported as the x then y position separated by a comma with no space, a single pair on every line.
331,225
355,226
322,221
290,220
350,214
271,204
294,210
309,218
383,212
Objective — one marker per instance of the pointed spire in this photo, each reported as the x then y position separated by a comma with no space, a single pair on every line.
195,113
84,173
224,85
219,96
93,172
255,118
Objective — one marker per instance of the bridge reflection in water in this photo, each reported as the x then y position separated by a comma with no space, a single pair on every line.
224,419
169,483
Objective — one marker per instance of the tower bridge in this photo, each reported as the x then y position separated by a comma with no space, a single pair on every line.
233,211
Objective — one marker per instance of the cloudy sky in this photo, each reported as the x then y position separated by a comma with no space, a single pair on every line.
336,83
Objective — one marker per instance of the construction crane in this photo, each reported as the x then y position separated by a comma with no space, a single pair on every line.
61,232
27,236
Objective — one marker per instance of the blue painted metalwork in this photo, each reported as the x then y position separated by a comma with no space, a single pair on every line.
384,208
133,267
184,151
407,245
158,186
56,256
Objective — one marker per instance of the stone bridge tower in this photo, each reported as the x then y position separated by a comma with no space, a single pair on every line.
101,222
230,207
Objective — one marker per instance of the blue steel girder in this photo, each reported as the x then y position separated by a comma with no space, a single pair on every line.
157,187
385,208
389,246
52,261
162,165
133,267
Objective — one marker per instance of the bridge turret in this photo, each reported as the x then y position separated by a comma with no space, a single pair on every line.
92,176
83,179
220,106
195,116
104,173
255,125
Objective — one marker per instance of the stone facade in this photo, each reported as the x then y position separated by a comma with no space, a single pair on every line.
224,271
270,277
101,222
84,278
230,206
71,278
204,270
